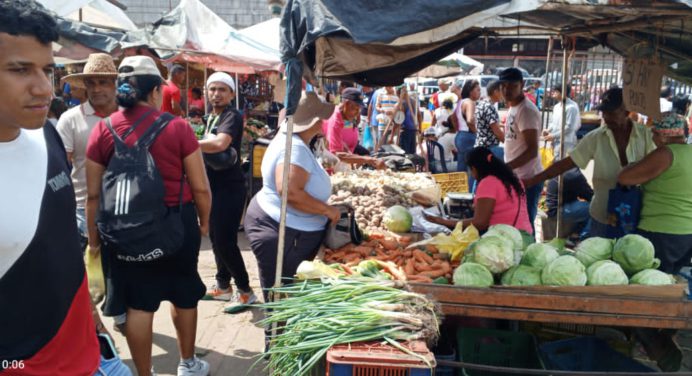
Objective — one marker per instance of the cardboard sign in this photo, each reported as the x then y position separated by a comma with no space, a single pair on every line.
642,86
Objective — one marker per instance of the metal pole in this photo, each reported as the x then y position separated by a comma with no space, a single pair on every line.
560,180
237,93
187,88
547,82
206,99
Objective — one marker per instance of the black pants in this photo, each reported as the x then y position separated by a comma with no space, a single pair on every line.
674,251
263,233
228,201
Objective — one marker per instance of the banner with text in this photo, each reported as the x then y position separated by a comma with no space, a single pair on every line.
642,86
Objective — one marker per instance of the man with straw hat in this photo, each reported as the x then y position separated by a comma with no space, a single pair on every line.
75,125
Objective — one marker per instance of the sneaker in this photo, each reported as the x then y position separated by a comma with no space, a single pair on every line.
215,293
241,302
195,367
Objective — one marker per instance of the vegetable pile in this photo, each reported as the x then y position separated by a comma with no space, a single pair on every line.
421,264
313,315
371,193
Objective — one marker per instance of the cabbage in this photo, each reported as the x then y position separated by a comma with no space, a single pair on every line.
494,253
606,272
652,277
472,274
564,271
538,255
594,249
507,232
522,275
635,253
397,219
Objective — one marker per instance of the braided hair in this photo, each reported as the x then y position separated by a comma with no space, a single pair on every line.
485,163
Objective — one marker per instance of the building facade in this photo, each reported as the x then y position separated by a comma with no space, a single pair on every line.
237,13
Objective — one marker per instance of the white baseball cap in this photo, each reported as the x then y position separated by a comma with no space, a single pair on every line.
138,66
223,78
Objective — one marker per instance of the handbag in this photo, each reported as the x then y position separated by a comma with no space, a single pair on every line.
222,160
624,208
346,230
547,155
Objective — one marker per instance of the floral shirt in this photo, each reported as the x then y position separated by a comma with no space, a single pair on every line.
486,114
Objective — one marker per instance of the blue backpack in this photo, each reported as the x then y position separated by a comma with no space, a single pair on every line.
133,219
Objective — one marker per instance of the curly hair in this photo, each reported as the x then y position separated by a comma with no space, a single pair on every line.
485,163
28,18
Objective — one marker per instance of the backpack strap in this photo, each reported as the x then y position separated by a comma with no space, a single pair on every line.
154,130
119,141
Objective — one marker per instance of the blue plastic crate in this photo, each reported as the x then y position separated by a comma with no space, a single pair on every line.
590,354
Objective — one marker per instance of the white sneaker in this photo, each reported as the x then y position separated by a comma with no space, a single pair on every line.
240,302
197,367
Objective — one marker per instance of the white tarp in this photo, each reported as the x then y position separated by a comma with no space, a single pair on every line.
94,12
267,33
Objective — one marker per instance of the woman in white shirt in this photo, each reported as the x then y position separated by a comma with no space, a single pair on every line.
441,115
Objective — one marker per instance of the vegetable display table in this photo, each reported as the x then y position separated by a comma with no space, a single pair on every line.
663,307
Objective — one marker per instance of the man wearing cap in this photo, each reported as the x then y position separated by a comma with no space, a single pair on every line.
572,123
666,179
617,143
173,102
75,125
443,94
522,133
224,130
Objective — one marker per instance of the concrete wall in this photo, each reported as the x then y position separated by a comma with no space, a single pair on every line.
238,13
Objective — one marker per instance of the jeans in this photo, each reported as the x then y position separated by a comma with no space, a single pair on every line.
228,202
533,194
595,228
498,151
674,251
464,142
82,226
407,140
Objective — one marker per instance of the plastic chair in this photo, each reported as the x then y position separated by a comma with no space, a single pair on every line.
431,146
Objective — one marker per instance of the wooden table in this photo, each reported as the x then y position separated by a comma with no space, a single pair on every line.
663,307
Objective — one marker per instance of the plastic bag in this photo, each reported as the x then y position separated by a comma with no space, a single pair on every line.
420,224
547,155
455,243
94,270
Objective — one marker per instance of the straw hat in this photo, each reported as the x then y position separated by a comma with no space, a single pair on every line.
310,110
98,65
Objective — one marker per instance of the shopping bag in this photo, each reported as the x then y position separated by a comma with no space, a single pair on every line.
547,155
94,270
624,208
368,141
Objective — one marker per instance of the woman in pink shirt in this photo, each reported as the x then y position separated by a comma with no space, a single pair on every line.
500,196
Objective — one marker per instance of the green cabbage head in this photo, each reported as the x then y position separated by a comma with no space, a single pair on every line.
522,275
594,249
635,253
538,255
507,232
473,275
564,271
397,219
494,253
606,272
652,277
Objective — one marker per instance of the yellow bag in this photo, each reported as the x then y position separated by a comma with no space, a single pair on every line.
457,242
94,270
547,156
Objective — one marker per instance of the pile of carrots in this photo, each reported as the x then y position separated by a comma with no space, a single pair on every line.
420,265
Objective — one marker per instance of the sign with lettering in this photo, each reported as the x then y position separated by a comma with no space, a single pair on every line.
641,80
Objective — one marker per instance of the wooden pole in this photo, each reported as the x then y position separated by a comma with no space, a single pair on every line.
560,180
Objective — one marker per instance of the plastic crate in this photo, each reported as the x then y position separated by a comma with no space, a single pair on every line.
452,182
549,332
379,359
590,354
496,348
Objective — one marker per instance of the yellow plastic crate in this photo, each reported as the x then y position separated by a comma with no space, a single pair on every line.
452,182
257,155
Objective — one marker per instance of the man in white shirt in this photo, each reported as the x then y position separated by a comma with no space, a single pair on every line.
522,133
666,99
75,125
572,124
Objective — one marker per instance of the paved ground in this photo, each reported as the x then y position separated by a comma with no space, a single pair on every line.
229,343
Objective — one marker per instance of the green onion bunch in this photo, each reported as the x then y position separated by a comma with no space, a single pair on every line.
313,315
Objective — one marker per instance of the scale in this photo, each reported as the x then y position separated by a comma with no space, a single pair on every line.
459,205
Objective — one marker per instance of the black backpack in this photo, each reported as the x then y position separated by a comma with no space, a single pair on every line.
133,219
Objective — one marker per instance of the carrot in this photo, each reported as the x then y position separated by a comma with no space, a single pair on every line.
336,254
389,244
404,240
446,267
434,273
431,248
410,268
352,257
422,256
422,267
376,236
408,253
419,278
364,251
